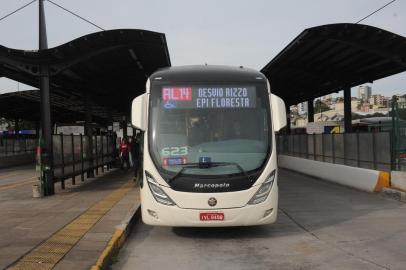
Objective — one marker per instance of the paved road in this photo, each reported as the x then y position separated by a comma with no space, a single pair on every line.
320,226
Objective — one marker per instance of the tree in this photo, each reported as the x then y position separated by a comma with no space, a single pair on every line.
359,106
320,106
401,113
10,124
4,122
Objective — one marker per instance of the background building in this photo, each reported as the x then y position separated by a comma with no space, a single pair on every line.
302,108
364,92
401,101
378,100
339,106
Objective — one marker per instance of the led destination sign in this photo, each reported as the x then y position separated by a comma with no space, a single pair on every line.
202,97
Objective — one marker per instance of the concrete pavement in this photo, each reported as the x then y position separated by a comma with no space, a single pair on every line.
320,226
16,175
27,223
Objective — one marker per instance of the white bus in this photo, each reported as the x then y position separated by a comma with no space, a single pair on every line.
209,155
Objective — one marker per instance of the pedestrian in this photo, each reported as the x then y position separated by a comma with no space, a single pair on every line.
124,150
135,152
131,144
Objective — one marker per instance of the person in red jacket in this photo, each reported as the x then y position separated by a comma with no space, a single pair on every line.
124,150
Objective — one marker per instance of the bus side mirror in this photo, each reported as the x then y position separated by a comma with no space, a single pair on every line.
278,112
139,112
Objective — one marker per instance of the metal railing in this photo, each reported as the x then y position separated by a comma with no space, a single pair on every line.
398,128
71,155
370,150
17,145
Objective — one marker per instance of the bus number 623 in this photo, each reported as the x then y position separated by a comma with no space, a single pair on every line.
174,151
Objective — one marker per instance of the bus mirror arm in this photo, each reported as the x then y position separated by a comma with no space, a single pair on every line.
139,112
278,112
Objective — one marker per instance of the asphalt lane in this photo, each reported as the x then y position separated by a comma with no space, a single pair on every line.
320,226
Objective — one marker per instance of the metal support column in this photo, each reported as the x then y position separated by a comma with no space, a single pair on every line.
37,128
125,124
72,142
111,120
287,118
82,162
46,127
347,110
16,127
16,140
89,135
310,110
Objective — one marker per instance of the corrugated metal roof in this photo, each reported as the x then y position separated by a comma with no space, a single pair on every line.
111,66
327,58
26,105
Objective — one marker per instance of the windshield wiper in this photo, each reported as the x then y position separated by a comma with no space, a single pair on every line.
217,164
209,165
185,166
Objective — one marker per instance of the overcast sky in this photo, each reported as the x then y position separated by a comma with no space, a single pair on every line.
229,32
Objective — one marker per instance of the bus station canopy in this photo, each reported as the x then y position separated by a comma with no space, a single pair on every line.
328,58
110,67
65,109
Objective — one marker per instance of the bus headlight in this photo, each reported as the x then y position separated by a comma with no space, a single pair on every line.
264,190
159,195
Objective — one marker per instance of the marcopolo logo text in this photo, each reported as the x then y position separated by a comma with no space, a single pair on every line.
211,185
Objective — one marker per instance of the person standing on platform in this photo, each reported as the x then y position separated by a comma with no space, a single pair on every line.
124,150
135,152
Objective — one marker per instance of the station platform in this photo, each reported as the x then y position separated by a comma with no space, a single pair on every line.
66,231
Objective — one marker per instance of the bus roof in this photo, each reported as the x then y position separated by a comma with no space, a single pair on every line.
207,73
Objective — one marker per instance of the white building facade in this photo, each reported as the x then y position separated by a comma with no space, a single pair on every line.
364,92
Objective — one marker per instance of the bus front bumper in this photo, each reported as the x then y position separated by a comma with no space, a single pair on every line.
157,214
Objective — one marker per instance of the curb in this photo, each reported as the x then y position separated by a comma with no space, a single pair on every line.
359,178
394,194
383,181
117,240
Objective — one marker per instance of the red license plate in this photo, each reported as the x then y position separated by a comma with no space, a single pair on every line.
212,216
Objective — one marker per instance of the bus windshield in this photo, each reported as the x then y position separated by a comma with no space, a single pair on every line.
203,124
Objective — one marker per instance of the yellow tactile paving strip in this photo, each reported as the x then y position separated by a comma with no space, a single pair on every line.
49,253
